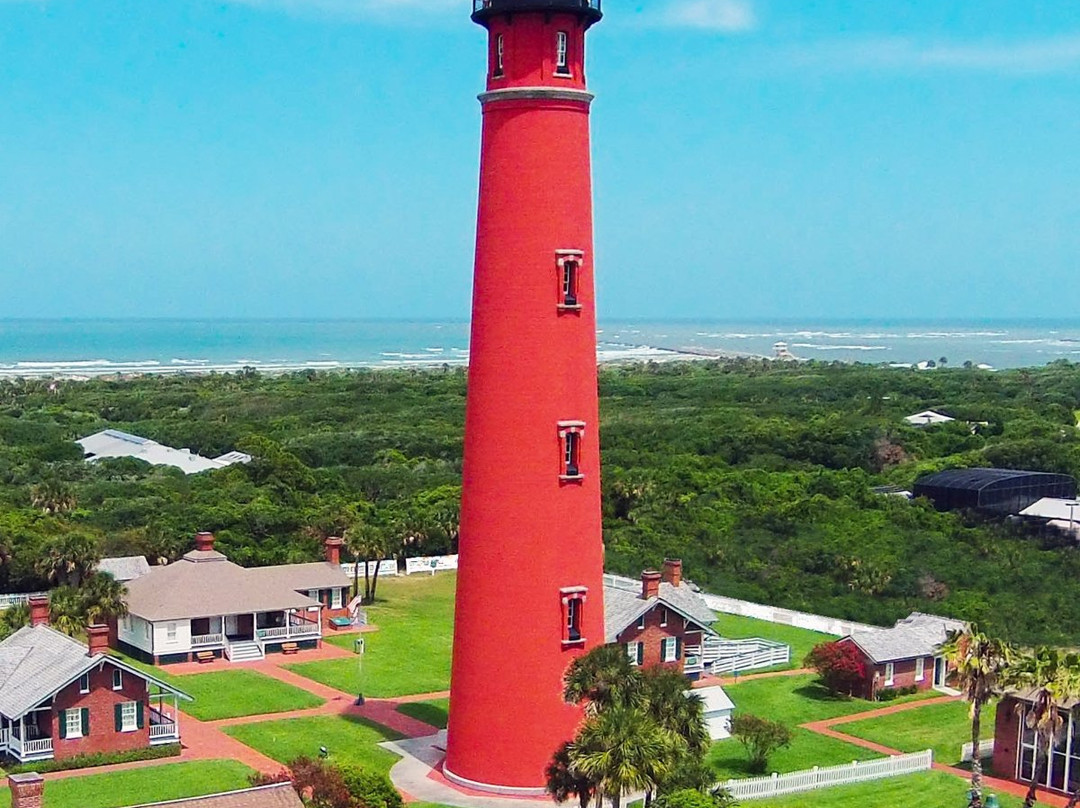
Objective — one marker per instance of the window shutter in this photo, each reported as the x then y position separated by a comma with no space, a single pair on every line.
139,714
678,648
63,724
118,713
85,721
640,653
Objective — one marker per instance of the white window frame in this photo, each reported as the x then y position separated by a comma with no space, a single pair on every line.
633,651
669,650
571,433
126,708
663,617
84,683
500,49
117,679
920,668
890,674
562,53
73,715
641,622
335,598
170,632
314,595
146,628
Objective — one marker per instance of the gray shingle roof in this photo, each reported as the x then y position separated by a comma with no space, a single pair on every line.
622,607
279,795
124,568
317,575
206,584
917,635
37,661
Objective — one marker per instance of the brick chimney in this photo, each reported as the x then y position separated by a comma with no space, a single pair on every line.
333,550
650,584
97,639
672,573
39,610
26,789
204,542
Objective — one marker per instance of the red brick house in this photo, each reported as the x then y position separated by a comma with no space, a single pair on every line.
1014,746
906,655
60,698
663,623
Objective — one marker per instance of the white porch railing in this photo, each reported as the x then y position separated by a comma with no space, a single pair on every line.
986,749
16,598
857,772
305,629
39,748
164,731
277,633
302,629
5,738
207,639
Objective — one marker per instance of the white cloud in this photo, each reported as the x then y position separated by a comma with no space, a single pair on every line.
1031,56
712,15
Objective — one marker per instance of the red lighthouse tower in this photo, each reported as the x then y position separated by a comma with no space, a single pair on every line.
529,595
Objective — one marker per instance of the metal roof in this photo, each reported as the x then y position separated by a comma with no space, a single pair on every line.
980,478
114,443
1054,508
124,568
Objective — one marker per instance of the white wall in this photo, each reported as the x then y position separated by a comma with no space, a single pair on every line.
180,645
136,634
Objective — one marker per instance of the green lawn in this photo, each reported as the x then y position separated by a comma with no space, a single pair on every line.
807,750
172,781
796,700
232,693
925,789
801,640
346,737
434,712
941,727
410,653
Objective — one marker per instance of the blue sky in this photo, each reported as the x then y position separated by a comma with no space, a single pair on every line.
752,158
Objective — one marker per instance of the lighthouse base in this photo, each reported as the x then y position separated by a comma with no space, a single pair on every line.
420,774
490,788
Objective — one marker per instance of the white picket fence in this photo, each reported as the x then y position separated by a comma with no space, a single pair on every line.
756,788
17,598
786,617
731,656
986,749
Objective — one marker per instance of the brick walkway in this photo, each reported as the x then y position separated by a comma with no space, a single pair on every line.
990,784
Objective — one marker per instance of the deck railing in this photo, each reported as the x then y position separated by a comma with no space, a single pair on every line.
41,747
207,639
16,598
727,656
166,730
5,738
275,633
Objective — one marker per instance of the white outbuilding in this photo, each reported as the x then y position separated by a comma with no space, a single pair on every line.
718,711
928,418
114,443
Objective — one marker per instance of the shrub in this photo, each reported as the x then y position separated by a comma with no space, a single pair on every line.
839,664
760,737
693,798
96,759
369,789
890,693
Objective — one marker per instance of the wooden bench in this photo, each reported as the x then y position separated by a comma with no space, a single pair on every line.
205,656
289,648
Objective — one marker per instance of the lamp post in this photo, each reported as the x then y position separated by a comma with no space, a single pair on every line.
1072,525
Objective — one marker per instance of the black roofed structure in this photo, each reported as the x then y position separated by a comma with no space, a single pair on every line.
1001,491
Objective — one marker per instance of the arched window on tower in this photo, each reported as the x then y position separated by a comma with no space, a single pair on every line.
562,56
500,45
573,606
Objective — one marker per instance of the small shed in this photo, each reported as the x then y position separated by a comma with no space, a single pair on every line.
718,710
928,418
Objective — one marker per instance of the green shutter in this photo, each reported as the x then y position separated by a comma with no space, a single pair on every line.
63,724
139,714
85,721
118,712
678,648
641,653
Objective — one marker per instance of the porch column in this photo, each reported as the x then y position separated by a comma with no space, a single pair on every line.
176,713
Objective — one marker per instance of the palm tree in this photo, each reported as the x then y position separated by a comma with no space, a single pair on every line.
564,782
979,662
70,559
104,598
622,750
368,542
603,678
53,497
13,618
1048,677
66,611
681,715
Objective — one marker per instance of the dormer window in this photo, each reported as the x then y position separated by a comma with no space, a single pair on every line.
573,606
500,46
562,61
570,435
569,266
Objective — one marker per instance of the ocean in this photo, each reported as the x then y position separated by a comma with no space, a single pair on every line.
83,348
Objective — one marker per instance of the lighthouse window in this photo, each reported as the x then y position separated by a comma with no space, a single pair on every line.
573,620
499,50
570,434
562,63
569,283
573,440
